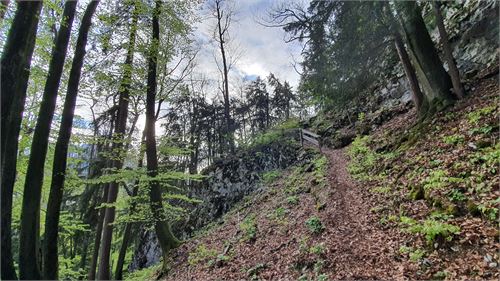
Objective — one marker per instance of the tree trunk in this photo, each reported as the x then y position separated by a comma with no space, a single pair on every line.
29,259
120,128
163,230
15,65
128,228
50,264
227,115
98,234
417,95
435,81
458,88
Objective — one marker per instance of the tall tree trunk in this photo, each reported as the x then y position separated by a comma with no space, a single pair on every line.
98,234
417,95
128,228
50,264
104,272
458,88
227,115
15,65
163,230
29,259
435,81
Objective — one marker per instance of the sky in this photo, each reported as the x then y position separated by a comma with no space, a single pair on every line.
261,49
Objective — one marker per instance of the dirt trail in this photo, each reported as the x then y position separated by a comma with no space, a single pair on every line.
362,250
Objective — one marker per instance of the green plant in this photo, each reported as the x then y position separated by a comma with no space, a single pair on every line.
363,158
453,139
314,225
269,177
456,195
317,249
202,253
249,228
292,200
431,228
476,115
417,255
320,170
438,179
361,116
322,277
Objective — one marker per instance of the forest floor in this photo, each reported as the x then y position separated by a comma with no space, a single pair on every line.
345,242
389,206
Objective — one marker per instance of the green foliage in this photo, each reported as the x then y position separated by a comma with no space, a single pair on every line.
320,170
476,115
149,273
453,139
430,228
439,179
271,176
318,249
363,158
249,228
417,255
315,225
292,200
322,277
456,195
201,254
381,189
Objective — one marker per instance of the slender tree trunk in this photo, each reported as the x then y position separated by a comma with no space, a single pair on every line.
227,115
98,234
128,228
435,81
29,259
50,264
120,129
163,230
417,95
15,65
448,52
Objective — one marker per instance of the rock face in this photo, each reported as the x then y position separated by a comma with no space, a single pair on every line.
227,181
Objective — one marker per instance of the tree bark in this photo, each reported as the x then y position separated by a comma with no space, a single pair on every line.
417,95
434,79
104,272
29,259
458,88
15,65
50,264
98,234
163,230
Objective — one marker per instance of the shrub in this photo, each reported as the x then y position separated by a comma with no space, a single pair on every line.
314,225
249,228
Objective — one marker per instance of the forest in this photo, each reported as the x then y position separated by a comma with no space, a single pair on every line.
250,140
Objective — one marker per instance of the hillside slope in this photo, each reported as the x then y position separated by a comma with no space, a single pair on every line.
411,201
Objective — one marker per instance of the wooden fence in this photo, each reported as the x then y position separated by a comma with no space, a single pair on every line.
310,137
